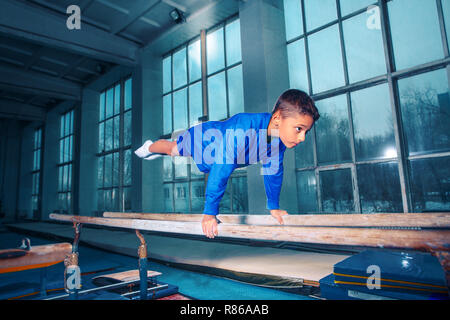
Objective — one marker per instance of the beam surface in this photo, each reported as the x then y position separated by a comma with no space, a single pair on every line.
401,220
425,240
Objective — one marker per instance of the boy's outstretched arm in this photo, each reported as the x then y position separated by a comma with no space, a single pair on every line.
272,183
215,189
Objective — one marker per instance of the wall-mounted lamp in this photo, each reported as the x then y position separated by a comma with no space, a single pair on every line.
177,16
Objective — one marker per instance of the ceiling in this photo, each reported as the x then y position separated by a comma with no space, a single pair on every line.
43,63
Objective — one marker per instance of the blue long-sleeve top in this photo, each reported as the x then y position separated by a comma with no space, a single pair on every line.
219,147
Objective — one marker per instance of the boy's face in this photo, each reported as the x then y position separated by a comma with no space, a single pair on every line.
293,130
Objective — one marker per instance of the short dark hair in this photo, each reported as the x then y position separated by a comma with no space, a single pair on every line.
293,102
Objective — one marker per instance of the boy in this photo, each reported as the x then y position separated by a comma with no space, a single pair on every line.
264,138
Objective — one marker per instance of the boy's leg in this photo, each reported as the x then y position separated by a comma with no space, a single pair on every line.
165,147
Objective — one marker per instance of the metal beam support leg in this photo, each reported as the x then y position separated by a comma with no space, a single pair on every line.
72,274
142,252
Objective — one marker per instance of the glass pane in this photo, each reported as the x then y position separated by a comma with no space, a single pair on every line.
298,74
69,177
61,130
304,153
101,137
127,168
61,202
319,13
115,176
333,131
425,106
194,170
430,184
168,197
217,97
67,125
66,150
40,138
116,132
117,99
446,9
70,147
233,41
128,94
101,106
198,196
215,51
195,63
61,150
126,199
167,74
180,117
108,170
108,200
293,18
179,68
181,197
225,203
379,188
307,192
101,201
38,159
109,135
195,103
235,90
167,169
65,178
326,60
60,178
337,191
418,32
100,172
37,175
349,6
240,196
127,128
109,103
71,122
115,199
372,124
167,114
180,167
364,49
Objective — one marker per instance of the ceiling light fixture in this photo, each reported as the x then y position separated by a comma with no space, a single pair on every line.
177,16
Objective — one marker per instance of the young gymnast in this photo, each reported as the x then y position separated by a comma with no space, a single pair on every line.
260,137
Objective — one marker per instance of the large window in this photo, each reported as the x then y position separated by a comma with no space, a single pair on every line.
36,173
185,75
114,147
379,73
65,163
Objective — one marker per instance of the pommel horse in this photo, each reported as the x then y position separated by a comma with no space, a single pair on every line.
429,232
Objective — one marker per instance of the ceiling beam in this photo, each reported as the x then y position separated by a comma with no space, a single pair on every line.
25,21
21,111
139,8
29,82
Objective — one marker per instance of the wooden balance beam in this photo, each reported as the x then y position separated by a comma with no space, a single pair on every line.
384,220
333,234
425,232
13,260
